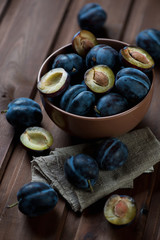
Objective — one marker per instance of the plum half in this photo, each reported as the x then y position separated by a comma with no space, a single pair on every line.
83,41
99,79
136,57
54,82
36,138
120,209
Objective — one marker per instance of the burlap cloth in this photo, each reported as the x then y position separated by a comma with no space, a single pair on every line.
144,152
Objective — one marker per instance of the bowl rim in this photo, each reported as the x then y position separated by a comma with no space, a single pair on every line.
115,116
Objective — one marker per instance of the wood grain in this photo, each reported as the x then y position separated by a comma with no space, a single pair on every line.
29,32
26,36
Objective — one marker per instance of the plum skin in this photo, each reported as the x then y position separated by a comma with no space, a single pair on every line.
71,62
149,39
77,100
91,17
24,112
110,104
133,84
102,54
112,154
36,198
81,168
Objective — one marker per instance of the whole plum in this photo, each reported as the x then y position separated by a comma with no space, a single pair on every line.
36,198
149,39
133,84
91,17
71,62
24,112
77,100
82,171
102,54
112,154
110,104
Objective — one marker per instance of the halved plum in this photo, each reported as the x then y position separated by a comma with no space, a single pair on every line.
54,82
99,79
136,57
83,41
120,209
36,138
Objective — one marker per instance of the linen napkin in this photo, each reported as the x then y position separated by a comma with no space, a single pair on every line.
144,152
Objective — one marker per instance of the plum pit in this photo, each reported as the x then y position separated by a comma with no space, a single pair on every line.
136,57
99,79
120,209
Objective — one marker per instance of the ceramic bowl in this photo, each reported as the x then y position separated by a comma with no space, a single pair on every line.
94,127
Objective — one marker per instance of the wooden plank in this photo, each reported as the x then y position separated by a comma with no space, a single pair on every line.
144,14
152,228
35,24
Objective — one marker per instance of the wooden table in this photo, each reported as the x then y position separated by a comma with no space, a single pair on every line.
29,32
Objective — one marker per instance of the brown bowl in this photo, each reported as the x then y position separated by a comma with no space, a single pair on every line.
94,127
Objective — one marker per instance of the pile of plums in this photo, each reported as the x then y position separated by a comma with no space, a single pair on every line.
96,80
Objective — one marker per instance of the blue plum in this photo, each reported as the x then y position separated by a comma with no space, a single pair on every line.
91,17
71,62
81,170
24,112
110,104
112,154
102,54
36,198
149,39
133,84
77,100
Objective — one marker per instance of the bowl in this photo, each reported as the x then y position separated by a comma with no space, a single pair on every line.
94,127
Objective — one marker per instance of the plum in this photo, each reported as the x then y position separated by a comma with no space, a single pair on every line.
112,154
110,104
120,209
133,84
149,39
24,112
36,198
91,17
82,171
71,62
83,41
99,79
36,138
54,82
136,57
77,100
102,54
